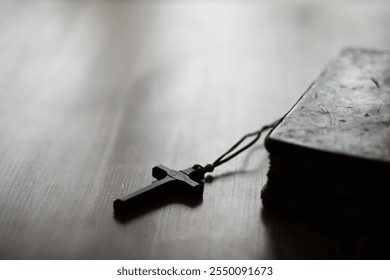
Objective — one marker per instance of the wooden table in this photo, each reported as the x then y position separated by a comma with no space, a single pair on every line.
93,94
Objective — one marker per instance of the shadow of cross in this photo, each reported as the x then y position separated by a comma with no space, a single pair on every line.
171,186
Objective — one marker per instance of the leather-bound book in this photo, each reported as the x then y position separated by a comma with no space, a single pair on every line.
330,154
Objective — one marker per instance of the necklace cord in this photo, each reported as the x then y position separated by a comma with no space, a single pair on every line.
229,154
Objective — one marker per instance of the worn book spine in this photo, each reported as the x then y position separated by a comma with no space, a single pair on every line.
330,153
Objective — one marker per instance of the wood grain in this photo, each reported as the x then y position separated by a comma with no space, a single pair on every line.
93,94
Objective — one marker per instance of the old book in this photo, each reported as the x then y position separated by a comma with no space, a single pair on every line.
330,153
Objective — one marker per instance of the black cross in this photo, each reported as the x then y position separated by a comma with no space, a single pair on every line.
187,184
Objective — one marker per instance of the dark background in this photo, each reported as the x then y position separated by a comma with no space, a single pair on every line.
93,94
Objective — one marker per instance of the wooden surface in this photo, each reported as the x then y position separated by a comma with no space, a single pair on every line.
93,94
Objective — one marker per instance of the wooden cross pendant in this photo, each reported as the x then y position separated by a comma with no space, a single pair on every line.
187,183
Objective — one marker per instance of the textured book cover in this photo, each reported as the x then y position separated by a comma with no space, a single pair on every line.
331,152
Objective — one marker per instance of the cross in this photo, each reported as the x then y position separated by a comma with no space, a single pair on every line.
185,183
